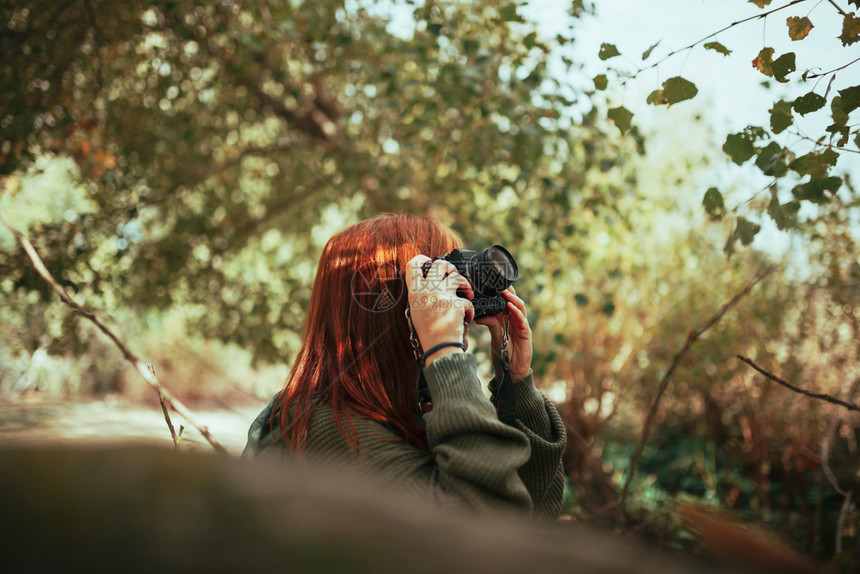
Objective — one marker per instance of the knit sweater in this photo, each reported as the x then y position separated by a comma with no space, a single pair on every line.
474,460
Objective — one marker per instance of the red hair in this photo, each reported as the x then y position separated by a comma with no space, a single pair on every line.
355,353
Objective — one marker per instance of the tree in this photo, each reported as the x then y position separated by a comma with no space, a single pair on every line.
222,144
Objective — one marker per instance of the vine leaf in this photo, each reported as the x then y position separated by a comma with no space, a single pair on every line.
739,147
678,89
656,98
647,52
714,204
764,61
781,116
783,66
842,130
608,51
798,27
815,164
716,46
850,29
814,189
783,214
746,230
809,103
622,117
771,160
850,98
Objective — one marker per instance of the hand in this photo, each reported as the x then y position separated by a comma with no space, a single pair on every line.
438,314
520,333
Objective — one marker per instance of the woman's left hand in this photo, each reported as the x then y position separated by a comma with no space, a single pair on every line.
520,333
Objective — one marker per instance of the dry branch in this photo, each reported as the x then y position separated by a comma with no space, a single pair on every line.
692,337
148,375
819,396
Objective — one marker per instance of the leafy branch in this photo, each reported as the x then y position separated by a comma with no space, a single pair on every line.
148,374
692,337
709,36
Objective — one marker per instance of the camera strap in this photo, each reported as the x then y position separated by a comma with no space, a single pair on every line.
506,399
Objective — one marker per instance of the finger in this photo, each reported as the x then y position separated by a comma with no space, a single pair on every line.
519,303
461,285
469,310
413,271
518,318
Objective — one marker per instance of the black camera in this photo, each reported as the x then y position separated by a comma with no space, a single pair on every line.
489,273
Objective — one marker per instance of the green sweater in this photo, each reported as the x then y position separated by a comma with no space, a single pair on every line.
474,460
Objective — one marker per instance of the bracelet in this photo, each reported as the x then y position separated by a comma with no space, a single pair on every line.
435,348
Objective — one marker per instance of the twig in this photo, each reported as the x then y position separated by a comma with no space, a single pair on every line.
166,414
832,71
165,395
692,337
819,396
709,36
838,9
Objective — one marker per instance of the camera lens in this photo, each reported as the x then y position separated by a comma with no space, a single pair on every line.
496,270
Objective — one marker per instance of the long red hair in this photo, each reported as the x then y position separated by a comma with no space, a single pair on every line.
355,353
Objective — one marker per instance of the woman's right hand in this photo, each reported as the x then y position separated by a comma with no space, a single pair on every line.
438,313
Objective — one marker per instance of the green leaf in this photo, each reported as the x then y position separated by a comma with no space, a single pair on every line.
716,46
608,51
740,146
678,89
600,82
850,29
783,66
622,117
798,27
713,202
809,103
836,112
764,61
656,98
850,99
784,215
780,116
814,190
842,130
581,300
815,164
761,3
647,52
746,230
771,160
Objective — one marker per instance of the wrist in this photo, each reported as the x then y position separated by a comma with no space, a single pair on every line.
450,350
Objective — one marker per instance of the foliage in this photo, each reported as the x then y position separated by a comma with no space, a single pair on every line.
220,145
776,159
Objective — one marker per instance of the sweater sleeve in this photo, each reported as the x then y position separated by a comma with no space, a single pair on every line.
473,459
543,474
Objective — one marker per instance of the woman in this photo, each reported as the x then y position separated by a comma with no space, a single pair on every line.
351,394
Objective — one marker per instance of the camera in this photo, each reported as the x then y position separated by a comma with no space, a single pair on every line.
489,273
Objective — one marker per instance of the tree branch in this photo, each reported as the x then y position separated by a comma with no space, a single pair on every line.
692,337
148,375
709,36
819,396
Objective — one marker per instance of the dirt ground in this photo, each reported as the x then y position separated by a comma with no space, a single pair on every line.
112,420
